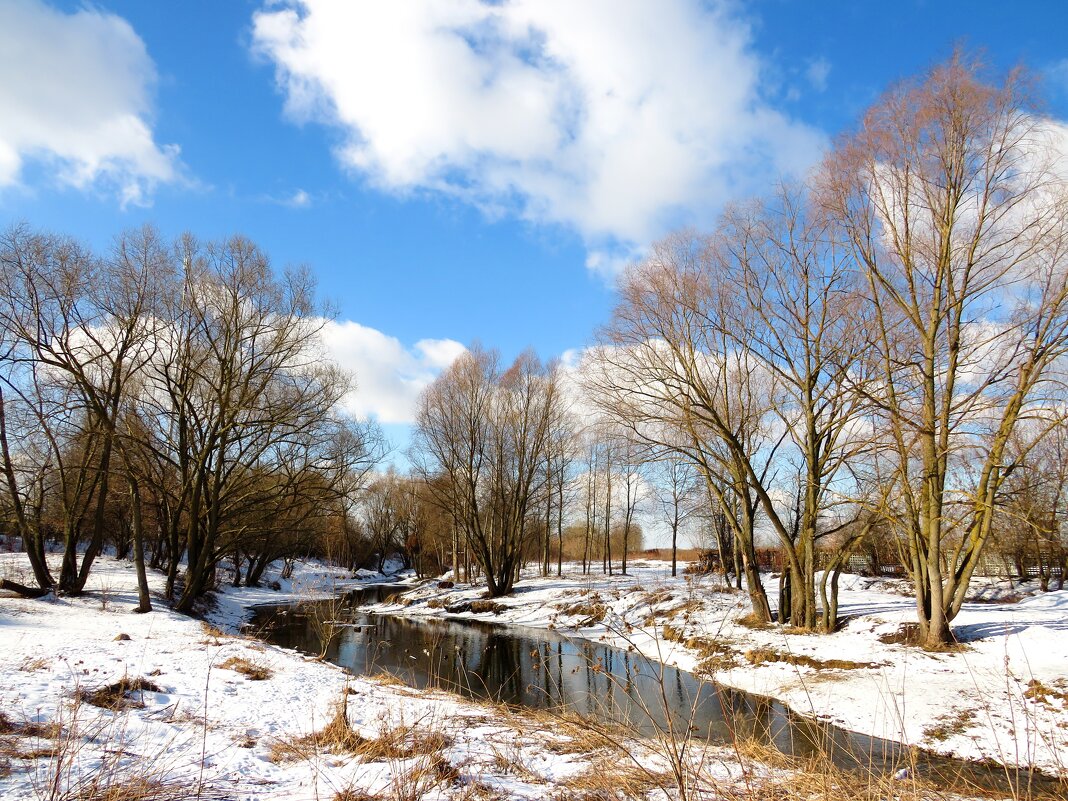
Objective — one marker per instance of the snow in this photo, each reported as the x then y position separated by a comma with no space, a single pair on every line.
984,700
211,727
309,581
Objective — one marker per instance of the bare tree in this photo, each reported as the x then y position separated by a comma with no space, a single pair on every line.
950,196
487,431
678,497
678,382
85,327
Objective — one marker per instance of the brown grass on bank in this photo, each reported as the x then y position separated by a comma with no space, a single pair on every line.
354,794
591,610
338,737
762,656
119,694
14,737
490,607
28,728
817,778
610,777
246,667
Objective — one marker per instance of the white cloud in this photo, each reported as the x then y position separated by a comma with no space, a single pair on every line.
389,376
618,119
1056,75
817,73
75,95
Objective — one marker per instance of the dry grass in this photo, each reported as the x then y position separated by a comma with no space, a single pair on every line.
949,725
28,728
490,607
685,608
34,664
1045,694
387,679
120,694
338,737
672,634
610,777
751,621
591,610
137,788
354,794
763,656
246,667
14,734
213,631
93,760
655,597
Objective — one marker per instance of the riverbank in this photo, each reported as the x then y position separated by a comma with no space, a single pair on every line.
1002,695
97,702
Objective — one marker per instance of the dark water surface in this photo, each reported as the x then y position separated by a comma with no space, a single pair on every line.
547,670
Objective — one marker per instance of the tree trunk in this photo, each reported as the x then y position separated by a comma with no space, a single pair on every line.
144,602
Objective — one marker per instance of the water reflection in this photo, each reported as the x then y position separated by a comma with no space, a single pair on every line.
545,670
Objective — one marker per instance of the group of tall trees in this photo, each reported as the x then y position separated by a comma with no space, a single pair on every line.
861,350
869,359
876,352
169,397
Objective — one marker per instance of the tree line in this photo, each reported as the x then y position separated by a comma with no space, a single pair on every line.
168,399
875,353
870,360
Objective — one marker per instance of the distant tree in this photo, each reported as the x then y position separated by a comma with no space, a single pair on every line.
486,431
678,496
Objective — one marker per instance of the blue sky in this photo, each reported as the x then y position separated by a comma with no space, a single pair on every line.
452,171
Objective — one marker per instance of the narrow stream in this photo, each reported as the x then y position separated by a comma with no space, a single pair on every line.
546,670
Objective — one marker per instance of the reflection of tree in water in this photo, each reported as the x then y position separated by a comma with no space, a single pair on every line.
590,679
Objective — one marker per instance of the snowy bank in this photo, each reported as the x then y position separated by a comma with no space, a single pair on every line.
95,698
1002,695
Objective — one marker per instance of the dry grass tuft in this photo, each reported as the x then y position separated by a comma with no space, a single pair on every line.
591,610
246,667
672,634
490,607
387,679
34,664
119,695
905,634
949,725
213,631
610,778
137,788
338,737
751,621
762,656
1045,694
354,794
12,746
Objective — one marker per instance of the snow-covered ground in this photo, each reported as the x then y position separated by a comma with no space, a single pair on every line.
204,729
1002,695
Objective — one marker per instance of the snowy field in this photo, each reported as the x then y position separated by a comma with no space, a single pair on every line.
1002,695
202,728
227,717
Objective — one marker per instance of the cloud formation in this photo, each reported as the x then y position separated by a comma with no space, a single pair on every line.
76,93
617,119
389,376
